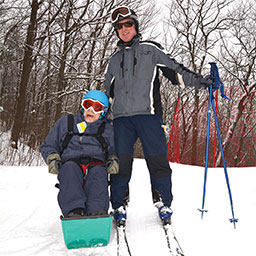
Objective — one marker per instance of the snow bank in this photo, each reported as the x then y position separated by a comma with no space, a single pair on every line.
30,225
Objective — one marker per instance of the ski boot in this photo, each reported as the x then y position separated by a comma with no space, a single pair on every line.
120,216
164,212
99,213
76,213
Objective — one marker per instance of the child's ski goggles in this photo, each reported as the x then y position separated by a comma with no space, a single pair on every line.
96,106
123,11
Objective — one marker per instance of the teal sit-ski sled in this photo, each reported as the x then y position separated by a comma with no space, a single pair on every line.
88,231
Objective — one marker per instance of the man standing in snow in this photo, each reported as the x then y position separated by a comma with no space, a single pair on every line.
131,80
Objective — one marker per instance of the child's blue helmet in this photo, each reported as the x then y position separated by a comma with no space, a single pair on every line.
99,96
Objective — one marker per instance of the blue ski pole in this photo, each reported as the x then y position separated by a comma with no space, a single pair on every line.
217,85
233,220
202,210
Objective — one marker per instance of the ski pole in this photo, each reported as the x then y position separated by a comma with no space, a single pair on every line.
202,210
233,220
217,85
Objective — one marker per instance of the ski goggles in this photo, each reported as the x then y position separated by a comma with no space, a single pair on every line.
120,11
95,105
126,24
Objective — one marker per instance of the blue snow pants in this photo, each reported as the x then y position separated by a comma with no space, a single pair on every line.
148,129
77,190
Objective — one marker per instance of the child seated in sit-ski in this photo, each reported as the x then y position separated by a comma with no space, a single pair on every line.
83,157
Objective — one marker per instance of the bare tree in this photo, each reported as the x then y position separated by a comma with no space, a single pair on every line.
197,24
31,33
68,44
239,61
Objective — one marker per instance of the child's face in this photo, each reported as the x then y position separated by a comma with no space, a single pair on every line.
90,116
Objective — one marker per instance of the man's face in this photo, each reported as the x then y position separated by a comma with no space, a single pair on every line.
126,33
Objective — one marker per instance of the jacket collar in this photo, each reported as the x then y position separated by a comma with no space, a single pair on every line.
121,44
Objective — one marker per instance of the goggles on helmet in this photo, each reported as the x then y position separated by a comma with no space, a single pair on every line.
95,105
120,11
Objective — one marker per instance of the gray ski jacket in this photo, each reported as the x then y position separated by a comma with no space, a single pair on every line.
131,78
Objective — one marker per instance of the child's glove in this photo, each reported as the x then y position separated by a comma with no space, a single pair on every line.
112,165
54,163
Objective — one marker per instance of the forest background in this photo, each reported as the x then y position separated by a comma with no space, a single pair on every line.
52,52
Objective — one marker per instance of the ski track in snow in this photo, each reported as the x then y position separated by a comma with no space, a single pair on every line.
30,224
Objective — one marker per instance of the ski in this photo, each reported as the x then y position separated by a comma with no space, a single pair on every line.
121,233
164,214
172,241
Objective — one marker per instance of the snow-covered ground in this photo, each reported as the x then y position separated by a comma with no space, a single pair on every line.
30,225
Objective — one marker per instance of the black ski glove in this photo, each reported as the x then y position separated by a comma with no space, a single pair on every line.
54,163
112,165
205,82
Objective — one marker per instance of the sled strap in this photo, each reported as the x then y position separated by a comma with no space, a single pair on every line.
98,136
69,134
101,140
86,167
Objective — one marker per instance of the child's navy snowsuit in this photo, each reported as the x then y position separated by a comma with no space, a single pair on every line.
78,189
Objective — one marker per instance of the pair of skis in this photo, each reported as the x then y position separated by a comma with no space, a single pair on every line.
171,239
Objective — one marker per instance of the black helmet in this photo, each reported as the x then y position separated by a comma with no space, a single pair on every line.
124,12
